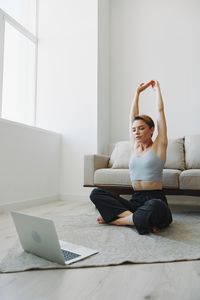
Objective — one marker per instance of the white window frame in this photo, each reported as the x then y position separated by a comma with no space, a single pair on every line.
4,17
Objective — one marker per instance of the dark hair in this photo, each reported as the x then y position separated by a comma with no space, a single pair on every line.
148,120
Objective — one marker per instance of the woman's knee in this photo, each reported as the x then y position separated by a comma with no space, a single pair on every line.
161,216
95,194
154,213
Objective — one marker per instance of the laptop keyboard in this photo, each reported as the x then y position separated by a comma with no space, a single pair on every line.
69,255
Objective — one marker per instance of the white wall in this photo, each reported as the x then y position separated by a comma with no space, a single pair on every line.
67,83
92,54
156,39
103,111
30,164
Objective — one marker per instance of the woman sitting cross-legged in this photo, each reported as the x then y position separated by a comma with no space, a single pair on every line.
147,209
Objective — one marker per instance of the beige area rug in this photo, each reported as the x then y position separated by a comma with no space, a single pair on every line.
116,245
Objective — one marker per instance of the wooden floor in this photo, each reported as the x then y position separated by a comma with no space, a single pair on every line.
179,280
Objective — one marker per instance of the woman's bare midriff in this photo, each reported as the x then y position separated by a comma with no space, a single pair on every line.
140,185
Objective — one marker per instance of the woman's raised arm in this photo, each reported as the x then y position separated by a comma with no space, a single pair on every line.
134,111
161,121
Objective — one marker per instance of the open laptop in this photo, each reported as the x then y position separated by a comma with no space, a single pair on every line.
38,236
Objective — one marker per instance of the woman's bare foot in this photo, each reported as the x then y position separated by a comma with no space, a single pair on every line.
155,229
100,220
128,220
125,218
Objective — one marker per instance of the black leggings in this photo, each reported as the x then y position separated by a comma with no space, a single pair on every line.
110,205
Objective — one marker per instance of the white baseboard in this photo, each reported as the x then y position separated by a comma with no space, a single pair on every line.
176,200
72,198
7,207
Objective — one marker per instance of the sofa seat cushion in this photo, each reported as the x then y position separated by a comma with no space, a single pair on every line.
171,178
111,176
190,179
121,177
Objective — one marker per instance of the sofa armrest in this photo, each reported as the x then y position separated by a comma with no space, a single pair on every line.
93,162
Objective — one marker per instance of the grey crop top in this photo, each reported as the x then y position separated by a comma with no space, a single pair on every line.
147,166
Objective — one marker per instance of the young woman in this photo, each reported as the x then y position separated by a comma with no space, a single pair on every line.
148,209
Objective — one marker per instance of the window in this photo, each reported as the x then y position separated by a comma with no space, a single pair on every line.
23,11
18,55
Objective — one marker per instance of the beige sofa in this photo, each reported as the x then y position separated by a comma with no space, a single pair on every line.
181,174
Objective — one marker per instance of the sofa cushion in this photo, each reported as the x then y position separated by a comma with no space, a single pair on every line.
120,156
192,151
171,178
190,179
111,176
121,177
175,154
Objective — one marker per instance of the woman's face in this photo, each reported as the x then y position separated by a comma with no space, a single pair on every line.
141,131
